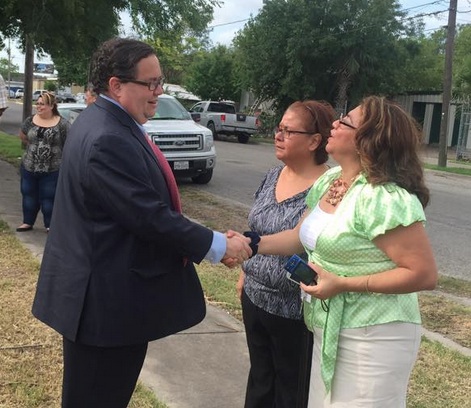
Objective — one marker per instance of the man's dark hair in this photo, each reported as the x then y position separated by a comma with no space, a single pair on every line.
117,57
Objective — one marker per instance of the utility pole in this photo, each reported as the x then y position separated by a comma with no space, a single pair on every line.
9,66
447,76
29,68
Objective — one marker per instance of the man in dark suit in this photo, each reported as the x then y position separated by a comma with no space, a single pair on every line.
117,269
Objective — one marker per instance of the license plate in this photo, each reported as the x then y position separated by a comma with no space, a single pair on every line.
181,165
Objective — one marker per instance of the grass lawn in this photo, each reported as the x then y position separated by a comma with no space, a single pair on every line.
30,352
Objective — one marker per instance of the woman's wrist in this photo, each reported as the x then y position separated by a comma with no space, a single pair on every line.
359,284
254,241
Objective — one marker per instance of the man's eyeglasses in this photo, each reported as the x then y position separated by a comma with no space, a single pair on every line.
151,85
287,133
342,122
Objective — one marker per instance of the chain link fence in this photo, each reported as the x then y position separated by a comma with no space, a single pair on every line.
463,148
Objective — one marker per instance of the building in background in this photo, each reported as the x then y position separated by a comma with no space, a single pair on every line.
185,97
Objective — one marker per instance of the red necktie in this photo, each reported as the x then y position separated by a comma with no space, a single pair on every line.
168,174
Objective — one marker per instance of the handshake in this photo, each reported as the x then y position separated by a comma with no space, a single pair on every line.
239,247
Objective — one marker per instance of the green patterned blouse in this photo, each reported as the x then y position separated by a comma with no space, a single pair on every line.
345,247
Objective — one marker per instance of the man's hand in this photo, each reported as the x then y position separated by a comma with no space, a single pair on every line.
237,249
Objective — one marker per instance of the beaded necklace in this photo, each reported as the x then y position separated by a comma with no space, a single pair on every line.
337,190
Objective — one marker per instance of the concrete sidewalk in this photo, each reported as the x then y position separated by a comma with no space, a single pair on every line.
203,367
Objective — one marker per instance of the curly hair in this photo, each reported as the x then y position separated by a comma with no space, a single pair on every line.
317,117
117,57
388,142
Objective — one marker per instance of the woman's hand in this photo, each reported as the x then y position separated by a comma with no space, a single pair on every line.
328,284
240,284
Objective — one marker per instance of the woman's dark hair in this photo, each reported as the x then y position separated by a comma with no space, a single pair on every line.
117,57
388,142
49,99
317,117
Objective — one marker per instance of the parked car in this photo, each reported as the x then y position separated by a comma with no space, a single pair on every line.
80,97
65,97
188,146
11,93
37,93
70,111
196,116
19,93
222,118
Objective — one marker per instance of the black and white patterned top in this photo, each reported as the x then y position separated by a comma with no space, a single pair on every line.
265,282
43,153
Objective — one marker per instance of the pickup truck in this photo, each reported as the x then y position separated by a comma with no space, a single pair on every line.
187,146
222,119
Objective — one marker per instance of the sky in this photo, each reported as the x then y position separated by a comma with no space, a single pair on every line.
233,14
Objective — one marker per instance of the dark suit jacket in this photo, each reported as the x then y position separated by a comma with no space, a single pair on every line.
113,271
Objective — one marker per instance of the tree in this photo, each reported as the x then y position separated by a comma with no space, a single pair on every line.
176,53
335,50
212,75
7,67
50,86
422,69
70,30
462,62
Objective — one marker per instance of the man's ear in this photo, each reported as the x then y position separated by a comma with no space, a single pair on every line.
114,86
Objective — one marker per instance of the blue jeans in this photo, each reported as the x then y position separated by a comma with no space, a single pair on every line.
38,190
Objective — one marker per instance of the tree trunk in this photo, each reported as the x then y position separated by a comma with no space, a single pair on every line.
29,68
344,84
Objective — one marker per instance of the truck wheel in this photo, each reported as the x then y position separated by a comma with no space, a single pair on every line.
243,138
212,128
203,178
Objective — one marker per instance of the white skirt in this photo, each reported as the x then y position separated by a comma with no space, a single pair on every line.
372,370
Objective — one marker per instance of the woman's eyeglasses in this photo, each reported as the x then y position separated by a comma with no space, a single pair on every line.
287,133
343,122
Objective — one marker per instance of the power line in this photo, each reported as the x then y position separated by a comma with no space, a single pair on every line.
229,23
424,5
406,18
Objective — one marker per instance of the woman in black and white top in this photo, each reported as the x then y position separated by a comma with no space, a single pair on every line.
278,341
43,136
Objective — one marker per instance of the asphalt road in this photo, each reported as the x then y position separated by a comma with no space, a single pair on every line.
10,121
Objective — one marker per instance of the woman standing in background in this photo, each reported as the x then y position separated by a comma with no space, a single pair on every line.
43,136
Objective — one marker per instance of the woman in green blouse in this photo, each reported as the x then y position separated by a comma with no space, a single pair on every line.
365,237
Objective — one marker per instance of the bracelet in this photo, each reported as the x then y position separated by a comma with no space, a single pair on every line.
254,240
367,290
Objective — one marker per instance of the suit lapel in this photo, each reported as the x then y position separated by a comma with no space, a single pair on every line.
126,120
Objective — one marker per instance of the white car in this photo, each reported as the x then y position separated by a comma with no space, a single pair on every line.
187,146
80,97
19,93
70,111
